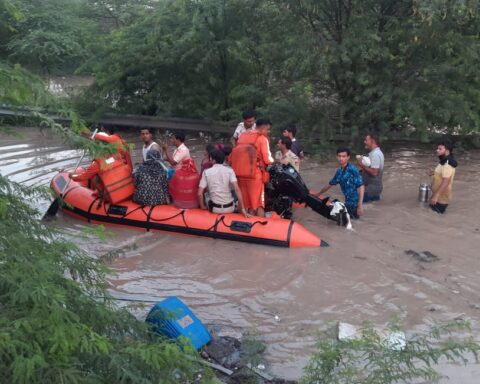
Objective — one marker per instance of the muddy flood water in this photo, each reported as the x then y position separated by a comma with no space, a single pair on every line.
287,295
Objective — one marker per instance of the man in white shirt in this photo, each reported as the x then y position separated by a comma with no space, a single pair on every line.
180,153
219,180
247,124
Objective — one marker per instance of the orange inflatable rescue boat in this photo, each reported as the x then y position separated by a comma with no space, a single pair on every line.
81,202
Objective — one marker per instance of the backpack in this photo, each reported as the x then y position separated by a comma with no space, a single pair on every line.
244,156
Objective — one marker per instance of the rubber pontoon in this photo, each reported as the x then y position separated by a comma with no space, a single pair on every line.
82,203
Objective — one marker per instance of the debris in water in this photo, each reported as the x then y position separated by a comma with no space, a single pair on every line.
425,256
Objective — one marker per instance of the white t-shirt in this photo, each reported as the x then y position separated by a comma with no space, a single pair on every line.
240,129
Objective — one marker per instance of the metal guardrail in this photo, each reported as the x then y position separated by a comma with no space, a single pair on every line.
135,121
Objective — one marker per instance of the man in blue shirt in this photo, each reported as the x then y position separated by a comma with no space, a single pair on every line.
350,181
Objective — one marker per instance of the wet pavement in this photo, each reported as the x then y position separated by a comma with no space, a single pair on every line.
287,295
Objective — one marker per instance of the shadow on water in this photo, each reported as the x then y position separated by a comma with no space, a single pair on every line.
288,295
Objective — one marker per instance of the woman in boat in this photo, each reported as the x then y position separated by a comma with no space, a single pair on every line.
150,178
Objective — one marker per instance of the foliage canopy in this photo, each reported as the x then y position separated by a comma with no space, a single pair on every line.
399,67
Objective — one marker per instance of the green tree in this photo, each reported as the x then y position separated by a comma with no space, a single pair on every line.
388,65
188,58
51,37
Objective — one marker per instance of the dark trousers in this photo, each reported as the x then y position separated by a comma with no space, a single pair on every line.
369,198
439,208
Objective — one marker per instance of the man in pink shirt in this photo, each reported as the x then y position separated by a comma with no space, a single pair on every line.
180,153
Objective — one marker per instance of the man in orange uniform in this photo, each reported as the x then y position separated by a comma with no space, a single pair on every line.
253,188
122,146
92,176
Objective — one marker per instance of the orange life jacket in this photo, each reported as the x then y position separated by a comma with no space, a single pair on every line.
121,145
117,180
244,157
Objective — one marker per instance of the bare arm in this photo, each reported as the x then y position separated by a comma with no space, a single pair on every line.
361,193
443,186
201,201
324,189
168,156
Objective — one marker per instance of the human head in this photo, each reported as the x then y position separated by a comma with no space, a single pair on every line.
371,141
249,118
153,154
218,156
227,150
178,138
146,135
444,149
343,156
210,147
290,131
263,126
284,143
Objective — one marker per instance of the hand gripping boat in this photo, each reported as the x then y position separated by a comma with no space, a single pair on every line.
82,203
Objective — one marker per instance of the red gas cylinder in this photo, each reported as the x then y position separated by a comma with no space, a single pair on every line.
184,185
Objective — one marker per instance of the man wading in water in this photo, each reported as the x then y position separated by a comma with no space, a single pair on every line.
443,178
372,175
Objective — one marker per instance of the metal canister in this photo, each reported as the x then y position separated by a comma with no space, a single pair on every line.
423,192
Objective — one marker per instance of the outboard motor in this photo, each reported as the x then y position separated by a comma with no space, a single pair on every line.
286,186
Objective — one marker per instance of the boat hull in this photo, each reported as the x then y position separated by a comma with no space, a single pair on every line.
82,203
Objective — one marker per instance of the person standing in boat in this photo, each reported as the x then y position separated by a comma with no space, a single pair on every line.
247,124
249,160
180,153
146,135
219,181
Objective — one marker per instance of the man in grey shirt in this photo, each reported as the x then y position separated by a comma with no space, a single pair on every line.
372,175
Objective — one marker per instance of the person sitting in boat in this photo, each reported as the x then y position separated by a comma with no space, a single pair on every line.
227,150
218,180
207,161
180,153
108,135
109,176
150,178
146,135
183,186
